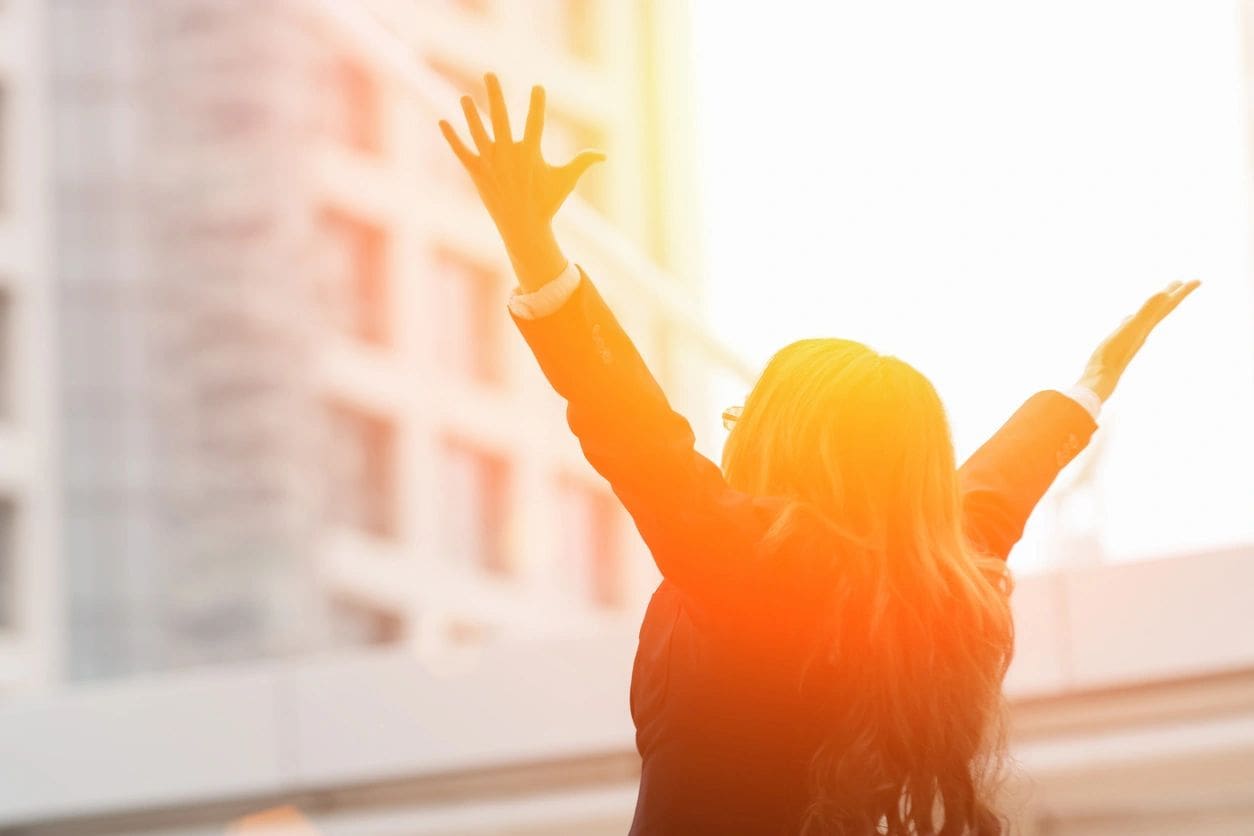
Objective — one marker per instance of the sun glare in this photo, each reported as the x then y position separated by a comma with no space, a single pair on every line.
985,189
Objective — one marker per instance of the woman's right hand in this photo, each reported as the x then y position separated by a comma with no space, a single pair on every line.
520,190
1113,354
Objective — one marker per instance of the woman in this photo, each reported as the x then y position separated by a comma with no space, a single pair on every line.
826,650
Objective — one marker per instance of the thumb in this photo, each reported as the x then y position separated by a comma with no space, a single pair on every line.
573,170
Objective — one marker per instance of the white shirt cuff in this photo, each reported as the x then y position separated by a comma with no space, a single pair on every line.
1086,398
551,295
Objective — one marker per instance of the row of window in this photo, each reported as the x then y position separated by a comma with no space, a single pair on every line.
476,513
469,294
355,251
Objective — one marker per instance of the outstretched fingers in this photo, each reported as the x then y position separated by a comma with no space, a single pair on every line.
1179,295
477,133
535,120
469,160
502,163
496,110
1171,297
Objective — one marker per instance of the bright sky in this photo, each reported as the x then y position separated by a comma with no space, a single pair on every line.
985,189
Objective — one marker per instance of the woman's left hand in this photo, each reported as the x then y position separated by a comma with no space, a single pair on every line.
520,190
1113,354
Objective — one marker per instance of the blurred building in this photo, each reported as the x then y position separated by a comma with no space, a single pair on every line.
290,411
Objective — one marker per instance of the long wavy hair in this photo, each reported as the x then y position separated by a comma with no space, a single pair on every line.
914,633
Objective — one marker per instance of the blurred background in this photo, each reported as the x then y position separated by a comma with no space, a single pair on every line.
293,536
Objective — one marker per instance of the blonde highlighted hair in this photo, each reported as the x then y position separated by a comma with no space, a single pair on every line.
914,632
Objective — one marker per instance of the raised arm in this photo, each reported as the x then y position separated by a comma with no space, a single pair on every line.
1006,477
695,525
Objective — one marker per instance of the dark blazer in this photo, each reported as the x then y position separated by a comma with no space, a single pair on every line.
721,747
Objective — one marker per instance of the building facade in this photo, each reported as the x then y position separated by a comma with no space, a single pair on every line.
283,409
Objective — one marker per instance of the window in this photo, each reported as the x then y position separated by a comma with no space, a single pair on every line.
476,488
564,26
590,561
355,279
470,328
460,79
355,622
353,107
463,631
362,483
580,25
8,565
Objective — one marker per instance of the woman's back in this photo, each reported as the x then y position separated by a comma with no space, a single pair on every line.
723,731
736,732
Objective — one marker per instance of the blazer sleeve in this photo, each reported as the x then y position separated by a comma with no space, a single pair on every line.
1006,477
699,530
